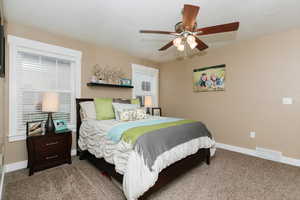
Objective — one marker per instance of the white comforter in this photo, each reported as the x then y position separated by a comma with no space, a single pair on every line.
137,176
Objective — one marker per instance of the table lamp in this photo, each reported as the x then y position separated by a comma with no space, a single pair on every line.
50,104
148,103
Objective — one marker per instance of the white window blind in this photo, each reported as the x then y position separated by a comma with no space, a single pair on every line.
34,68
36,74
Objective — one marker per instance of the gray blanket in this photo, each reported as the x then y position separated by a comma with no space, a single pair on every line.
153,144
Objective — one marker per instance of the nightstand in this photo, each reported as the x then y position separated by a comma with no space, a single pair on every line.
47,151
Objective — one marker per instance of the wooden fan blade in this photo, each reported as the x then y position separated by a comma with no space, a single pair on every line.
190,13
201,45
218,29
166,46
158,32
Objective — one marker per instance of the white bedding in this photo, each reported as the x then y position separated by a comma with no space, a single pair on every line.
137,176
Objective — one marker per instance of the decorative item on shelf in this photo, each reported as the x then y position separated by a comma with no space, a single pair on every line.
209,79
107,74
125,81
50,104
98,72
60,126
94,79
35,128
148,103
118,75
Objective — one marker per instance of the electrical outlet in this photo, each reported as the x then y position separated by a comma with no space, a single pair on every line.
252,134
287,100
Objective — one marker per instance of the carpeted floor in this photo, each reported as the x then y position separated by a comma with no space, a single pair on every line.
231,176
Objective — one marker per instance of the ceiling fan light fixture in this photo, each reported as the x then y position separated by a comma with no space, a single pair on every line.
186,31
190,39
180,47
193,45
177,42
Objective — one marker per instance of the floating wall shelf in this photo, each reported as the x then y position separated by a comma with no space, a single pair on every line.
109,85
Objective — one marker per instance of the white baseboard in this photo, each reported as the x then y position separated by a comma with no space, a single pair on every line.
242,150
73,152
23,164
15,166
252,152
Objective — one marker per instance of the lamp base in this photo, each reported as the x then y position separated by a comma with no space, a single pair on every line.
49,126
148,110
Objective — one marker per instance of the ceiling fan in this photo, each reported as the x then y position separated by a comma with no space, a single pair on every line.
186,32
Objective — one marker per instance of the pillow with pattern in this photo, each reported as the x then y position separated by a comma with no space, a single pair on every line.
119,107
127,115
133,114
141,114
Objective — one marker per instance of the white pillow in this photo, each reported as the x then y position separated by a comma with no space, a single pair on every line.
119,107
88,110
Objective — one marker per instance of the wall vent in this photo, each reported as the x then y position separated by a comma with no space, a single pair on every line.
268,154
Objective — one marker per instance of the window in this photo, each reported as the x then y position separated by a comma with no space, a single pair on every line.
145,81
36,68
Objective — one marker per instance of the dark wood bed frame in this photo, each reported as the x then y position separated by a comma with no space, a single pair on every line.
166,176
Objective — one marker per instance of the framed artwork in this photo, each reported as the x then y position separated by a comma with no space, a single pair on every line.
209,79
156,111
35,128
60,125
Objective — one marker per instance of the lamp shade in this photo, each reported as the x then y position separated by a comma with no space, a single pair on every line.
148,101
50,102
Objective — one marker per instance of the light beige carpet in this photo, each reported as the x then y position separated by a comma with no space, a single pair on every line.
231,176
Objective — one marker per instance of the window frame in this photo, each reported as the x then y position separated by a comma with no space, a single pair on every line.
16,44
136,68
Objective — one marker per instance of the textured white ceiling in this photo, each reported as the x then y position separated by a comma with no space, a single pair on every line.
117,22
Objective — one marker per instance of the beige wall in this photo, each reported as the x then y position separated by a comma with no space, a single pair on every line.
91,55
259,73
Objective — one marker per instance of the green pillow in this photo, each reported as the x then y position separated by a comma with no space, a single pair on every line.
104,109
135,101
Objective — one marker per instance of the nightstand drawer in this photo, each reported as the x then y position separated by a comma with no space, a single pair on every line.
49,144
51,156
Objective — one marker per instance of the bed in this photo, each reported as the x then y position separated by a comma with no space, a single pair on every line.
140,172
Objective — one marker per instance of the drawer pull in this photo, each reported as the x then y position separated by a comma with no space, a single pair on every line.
52,143
51,157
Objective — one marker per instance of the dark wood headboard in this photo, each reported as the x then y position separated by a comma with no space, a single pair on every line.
78,119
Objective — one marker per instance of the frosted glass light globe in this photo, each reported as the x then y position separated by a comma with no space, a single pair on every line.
193,45
190,39
177,42
180,47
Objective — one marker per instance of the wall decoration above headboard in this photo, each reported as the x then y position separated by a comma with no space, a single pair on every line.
209,79
107,75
